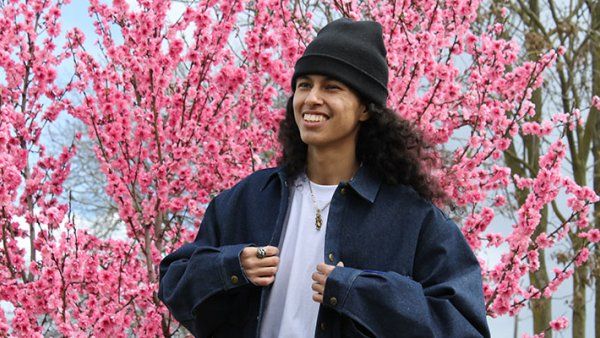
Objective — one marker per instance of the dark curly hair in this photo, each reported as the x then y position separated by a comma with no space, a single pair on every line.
389,146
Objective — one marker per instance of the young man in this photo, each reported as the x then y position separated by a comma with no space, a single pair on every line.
341,239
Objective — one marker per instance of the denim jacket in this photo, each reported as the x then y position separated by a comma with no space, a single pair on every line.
408,272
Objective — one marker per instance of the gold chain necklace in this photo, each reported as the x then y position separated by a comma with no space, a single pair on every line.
318,218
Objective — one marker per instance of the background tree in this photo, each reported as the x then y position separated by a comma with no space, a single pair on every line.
84,186
53,275
595,110
569,89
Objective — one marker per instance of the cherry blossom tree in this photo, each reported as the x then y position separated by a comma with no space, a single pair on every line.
182,104
56,278
569,87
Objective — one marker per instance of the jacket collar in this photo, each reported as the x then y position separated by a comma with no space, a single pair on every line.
278,172
364,182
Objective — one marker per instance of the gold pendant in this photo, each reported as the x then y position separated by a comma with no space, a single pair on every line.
318,220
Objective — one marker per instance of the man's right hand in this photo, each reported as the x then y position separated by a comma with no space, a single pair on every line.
260,271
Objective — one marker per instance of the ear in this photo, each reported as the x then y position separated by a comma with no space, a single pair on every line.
364,113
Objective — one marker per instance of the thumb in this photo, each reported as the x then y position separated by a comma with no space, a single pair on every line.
340,263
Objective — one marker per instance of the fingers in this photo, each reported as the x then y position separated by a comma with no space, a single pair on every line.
265,262
318,288
319,278
252,264
271,250
262,281
325,269
264,272
260,271
251,251
250,261
261,276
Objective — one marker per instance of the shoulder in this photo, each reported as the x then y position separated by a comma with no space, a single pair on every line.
258,179
404,197
424,212
251,185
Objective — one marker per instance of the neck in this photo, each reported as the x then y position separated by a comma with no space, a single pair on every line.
330,166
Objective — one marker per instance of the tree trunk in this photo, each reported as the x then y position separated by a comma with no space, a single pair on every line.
540,308
595,51
579,286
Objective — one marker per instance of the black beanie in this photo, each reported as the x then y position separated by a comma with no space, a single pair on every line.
352,52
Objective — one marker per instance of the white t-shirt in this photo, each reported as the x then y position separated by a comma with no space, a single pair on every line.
290,310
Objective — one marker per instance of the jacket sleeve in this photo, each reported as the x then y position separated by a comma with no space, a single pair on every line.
199,276
444,297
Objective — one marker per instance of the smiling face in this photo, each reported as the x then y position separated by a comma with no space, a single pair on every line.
328,113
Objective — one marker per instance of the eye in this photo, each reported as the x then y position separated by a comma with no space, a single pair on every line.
302,85
333,86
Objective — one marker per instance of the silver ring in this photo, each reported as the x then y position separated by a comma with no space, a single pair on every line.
261,252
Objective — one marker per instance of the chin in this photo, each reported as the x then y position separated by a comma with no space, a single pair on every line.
309,140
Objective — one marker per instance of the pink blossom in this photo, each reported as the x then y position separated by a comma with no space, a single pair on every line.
596,102
582,256
499,200
494,239
559,323
543,241
592,235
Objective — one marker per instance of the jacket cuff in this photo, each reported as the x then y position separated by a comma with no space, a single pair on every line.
231,268
338,285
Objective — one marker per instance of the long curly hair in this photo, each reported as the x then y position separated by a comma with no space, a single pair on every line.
389,146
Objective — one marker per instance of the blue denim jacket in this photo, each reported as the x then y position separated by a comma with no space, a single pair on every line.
408,270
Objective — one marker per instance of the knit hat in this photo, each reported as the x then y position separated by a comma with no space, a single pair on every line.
352,52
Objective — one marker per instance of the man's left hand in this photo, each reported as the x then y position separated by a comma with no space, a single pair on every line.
320,278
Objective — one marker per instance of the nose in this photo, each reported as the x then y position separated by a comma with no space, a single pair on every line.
313,97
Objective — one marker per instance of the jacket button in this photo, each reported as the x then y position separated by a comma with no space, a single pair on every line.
234,279
330,256
322,326
333,301
343,191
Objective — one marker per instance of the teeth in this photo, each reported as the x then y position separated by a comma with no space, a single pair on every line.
314,118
